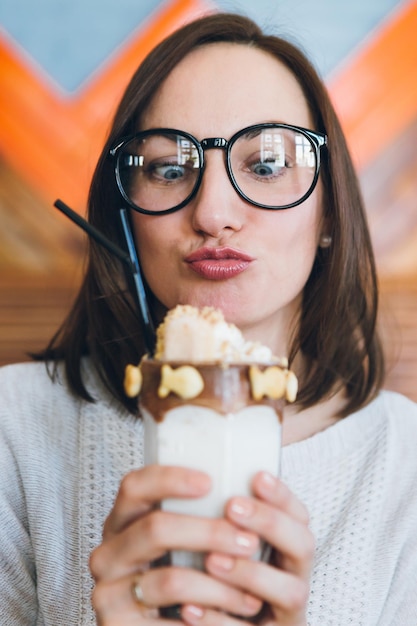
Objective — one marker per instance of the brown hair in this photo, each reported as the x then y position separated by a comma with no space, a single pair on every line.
337,333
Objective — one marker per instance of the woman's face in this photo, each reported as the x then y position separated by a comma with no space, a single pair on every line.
219,250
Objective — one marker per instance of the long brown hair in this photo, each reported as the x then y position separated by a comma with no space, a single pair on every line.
337,334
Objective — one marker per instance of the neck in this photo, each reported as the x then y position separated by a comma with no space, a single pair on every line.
272,332
300,424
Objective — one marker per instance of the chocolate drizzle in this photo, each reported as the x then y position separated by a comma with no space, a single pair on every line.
226,389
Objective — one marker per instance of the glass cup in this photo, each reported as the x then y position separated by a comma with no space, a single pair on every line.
215,418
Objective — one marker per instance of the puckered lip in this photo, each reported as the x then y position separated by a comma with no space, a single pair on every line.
218,254
218,264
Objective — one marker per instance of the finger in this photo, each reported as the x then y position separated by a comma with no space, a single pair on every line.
195,614
273,490
281,589
114,603
292,539
151,536
141,489
172,586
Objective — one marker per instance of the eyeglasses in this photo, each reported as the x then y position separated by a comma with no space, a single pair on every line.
271,166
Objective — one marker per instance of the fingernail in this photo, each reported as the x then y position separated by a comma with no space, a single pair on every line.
192,613
245,541
241,507
268,481
193,610
221,562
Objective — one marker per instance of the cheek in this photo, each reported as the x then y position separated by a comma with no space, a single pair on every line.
148,243
299,227
151,237
293,240
154,243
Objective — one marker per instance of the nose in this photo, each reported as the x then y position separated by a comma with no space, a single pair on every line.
216,208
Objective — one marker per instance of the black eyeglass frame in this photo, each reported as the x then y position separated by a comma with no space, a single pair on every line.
317,139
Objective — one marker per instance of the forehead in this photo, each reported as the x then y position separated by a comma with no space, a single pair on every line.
220,88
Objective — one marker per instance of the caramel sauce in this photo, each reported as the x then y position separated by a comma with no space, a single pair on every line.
226,389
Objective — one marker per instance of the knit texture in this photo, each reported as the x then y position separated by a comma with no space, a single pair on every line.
62,459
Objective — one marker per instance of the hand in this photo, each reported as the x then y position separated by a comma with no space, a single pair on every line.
282,584
136,533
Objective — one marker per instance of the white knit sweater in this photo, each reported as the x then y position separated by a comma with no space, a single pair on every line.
61,460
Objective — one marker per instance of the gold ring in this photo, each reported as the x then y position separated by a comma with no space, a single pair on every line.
137,591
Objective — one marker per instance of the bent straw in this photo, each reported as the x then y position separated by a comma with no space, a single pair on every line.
130,260
93,232
148,328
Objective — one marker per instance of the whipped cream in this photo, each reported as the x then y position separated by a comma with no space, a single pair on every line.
203,335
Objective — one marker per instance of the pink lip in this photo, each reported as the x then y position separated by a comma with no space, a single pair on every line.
218,263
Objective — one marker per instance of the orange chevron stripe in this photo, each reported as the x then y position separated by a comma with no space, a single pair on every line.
375,94
53,140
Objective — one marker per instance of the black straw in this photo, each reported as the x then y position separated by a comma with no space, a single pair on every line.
130,259
93,232
147,325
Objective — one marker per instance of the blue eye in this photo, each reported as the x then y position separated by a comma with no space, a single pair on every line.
269,169
169,172
263,169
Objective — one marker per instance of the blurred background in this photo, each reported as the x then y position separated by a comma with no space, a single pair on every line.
63,67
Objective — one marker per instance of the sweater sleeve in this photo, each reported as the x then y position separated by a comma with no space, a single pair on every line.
401,606
38,499
61,462
35,483
18,599
398,526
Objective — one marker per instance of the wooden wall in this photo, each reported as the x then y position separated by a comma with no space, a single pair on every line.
41,253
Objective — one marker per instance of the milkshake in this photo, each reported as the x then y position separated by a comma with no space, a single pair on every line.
210,401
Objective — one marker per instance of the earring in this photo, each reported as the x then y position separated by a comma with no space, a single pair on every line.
325,241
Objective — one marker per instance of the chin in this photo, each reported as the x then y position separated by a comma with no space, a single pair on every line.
232,311
233,304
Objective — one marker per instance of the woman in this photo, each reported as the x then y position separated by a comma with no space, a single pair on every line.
292,268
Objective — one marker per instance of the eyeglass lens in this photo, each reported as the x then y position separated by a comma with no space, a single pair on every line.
273,167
